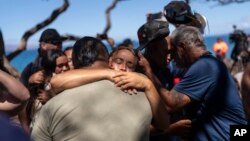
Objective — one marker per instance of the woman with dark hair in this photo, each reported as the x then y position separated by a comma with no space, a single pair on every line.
68,52
53,62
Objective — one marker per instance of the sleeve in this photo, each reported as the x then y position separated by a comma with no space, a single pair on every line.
197,80
40,131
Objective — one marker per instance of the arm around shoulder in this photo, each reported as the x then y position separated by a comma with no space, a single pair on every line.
78,77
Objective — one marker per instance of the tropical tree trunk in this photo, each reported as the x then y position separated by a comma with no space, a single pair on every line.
23,43
104,34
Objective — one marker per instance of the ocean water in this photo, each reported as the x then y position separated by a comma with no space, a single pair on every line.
23,59
28,56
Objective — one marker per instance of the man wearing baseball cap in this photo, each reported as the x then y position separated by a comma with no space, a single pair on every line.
49,39
180,13
153,37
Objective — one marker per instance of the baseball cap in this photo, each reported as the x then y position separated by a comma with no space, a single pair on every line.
50,36
178,12
150,31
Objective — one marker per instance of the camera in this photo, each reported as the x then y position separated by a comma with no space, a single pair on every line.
240,49
237,36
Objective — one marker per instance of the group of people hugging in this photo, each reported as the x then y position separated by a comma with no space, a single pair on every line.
169,88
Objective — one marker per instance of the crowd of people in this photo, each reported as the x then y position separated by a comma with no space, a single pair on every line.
170,88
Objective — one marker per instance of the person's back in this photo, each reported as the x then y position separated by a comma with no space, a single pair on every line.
98,111
88,113
207,89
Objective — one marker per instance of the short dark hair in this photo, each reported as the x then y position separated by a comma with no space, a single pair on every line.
87,50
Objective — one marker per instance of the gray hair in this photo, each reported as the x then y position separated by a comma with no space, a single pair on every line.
189,36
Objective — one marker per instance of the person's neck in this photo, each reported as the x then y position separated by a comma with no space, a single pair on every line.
99,64
198,52
195,54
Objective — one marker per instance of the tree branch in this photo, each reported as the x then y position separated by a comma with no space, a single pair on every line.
69,37
108,21
23,43
104,34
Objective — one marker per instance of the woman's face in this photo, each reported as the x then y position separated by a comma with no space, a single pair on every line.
68,53
123,60
61,64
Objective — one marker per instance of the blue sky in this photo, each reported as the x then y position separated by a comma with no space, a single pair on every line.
86,17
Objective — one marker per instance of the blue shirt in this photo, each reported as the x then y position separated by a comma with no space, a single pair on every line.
216,103
9,132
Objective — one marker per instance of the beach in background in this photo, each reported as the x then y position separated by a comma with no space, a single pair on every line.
29,55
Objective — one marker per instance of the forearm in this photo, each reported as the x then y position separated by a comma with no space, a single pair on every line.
149,73
14,87
173,99
164,93
78,77
11,107
160,114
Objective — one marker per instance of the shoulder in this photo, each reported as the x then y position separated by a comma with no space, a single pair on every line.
98,89
206,62
207,67
96,92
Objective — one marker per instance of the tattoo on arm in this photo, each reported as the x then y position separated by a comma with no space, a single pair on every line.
178,100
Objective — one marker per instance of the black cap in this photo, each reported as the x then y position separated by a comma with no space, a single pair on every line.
150,31
50,35
178,12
